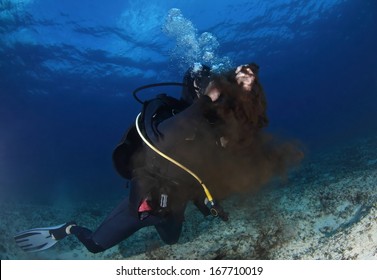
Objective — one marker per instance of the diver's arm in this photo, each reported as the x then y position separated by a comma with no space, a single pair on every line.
212,92
189,119
202,105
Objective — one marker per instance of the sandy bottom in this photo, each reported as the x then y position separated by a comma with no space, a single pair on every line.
326,209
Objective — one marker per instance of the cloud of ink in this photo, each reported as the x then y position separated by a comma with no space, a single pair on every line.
232,152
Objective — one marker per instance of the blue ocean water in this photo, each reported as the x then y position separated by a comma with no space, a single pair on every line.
67,70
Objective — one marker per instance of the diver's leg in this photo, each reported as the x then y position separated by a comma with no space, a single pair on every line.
170,231
84,235
170,228
122,222
118,226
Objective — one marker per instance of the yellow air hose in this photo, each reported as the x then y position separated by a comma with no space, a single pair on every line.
208,194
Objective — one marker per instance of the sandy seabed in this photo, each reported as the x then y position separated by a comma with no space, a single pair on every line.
325,209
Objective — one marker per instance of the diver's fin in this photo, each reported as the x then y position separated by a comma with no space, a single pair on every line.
38,239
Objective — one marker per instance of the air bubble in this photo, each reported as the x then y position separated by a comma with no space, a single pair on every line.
192,49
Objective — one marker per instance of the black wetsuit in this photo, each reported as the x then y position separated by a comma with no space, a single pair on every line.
178,137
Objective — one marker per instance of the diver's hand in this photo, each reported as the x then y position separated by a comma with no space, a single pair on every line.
212,92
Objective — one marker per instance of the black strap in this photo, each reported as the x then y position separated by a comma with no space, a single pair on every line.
154,85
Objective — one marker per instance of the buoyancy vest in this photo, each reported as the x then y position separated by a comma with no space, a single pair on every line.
128,154
125,155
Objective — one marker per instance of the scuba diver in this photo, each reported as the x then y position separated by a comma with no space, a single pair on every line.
172,146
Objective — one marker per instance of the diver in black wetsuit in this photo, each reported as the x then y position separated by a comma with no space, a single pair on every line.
160,190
